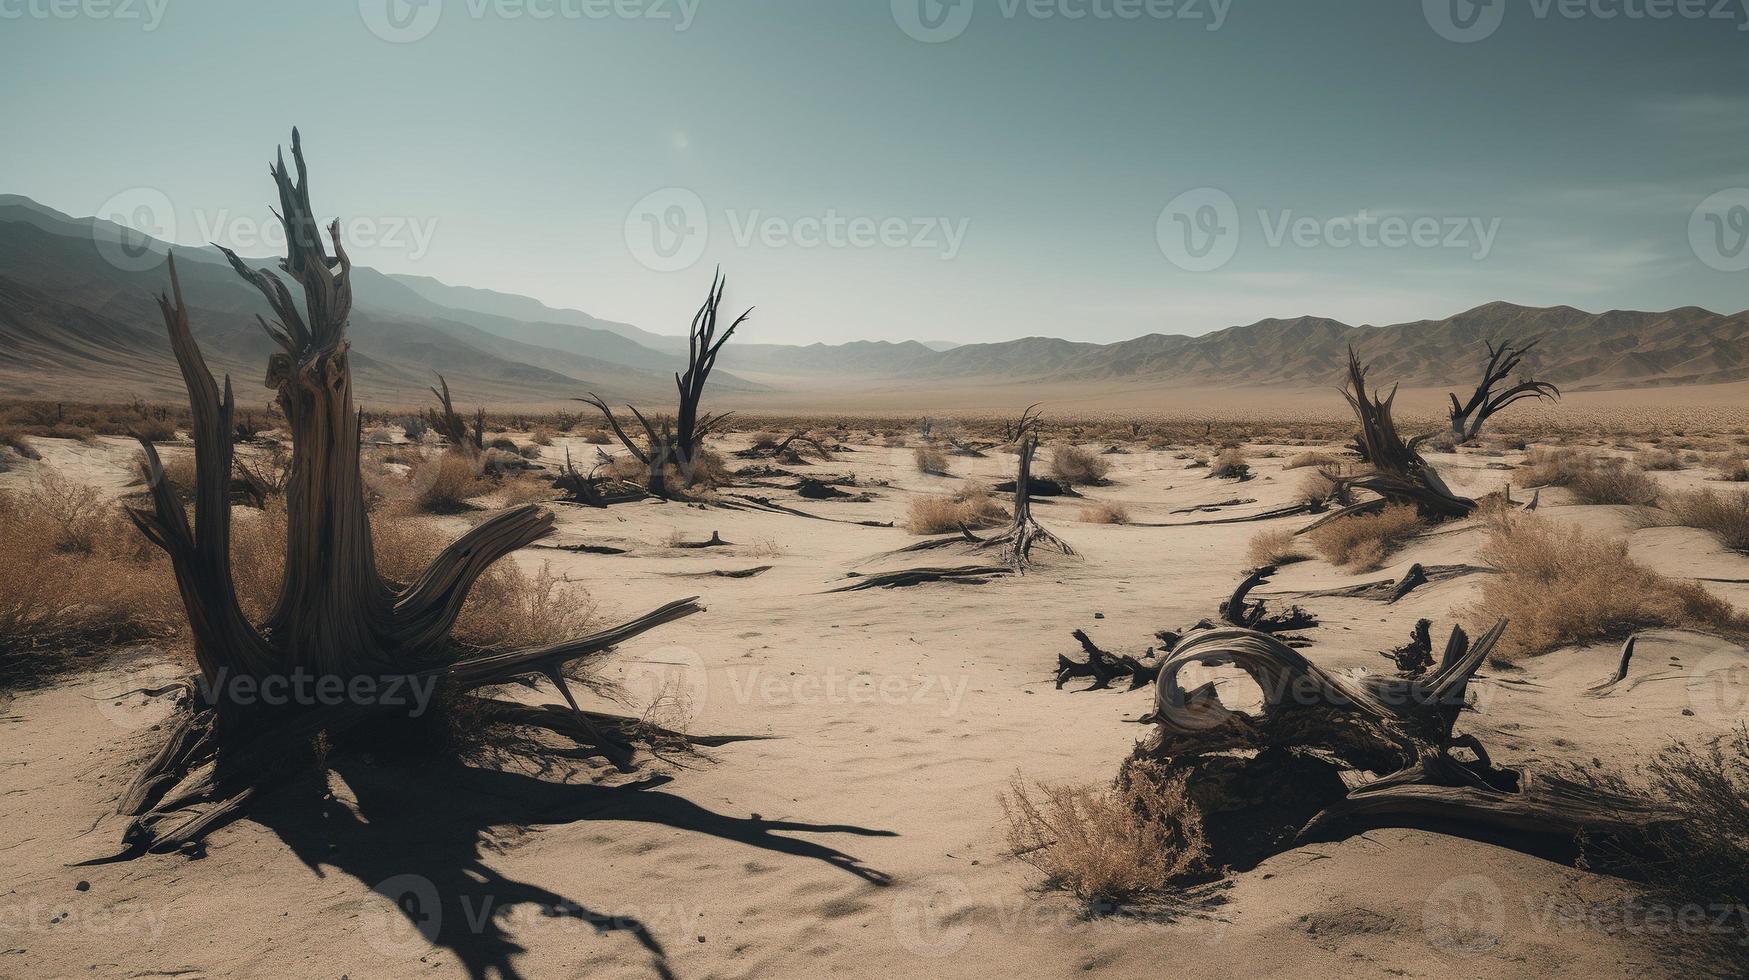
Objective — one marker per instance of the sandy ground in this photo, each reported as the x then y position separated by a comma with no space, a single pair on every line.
863,839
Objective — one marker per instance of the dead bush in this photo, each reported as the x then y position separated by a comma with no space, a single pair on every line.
1555,467
1658,459
1318,489
1276,548
1561,586
15,440
930,460
444,483
1078,467
1701,857
1319,459
1230,465
1105,512
1614,482
542,436
1724,515
1363,542
1110,845
942,513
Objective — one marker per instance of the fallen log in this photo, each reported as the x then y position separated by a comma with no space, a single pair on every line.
904,578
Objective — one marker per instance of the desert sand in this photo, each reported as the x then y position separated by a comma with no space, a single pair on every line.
862,836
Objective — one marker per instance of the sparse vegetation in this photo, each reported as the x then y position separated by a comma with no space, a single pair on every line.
1562,586
1614,482
1363,542
443,484
1275,548
1230,465
1112,845
1105,512
942,513
930,460
1724,515
1322,460
1078,467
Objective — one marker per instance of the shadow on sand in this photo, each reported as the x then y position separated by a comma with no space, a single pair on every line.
420,838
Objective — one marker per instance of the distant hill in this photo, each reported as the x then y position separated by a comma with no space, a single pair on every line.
73,325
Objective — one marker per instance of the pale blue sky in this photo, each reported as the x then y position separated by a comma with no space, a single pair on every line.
1571,152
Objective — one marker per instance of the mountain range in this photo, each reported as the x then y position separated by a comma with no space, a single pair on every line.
76,325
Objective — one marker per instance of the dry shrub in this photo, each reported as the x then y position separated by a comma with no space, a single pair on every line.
597,437
941,513
1724,515
1318,459
1732,468
1614,482
1276,548
1078,467
1363,542
542,436
1230,465
526,489
1702,856
445,482
13,439
1318,488
930,460
1105,512
1560,587
76,575
1109,845
1555,467
1658,459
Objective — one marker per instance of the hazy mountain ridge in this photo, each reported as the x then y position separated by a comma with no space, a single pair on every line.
69,319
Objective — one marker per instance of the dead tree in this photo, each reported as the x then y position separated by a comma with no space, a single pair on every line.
1023,531
338,624
1392,469
1027,423
450,425
1467,418
678,442
1266,782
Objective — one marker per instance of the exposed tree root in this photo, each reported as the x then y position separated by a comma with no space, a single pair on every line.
903,578
1104,667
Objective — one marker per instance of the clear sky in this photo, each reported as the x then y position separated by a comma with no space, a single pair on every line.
891,169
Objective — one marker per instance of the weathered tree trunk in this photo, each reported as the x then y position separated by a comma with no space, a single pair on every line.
336,622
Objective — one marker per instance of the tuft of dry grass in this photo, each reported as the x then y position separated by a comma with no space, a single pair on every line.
942,513
1109,845
1275,548
1078,467
1363,542
1615,483
1702,856
1724,515
15,440
1230,465
542,436
1555,467
1322,460
1658,459
1561,586
930,460
444,483
1105,512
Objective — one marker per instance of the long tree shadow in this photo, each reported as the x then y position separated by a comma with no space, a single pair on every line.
419,838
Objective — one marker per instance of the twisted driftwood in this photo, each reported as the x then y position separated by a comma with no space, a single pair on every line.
1265,782
337,620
